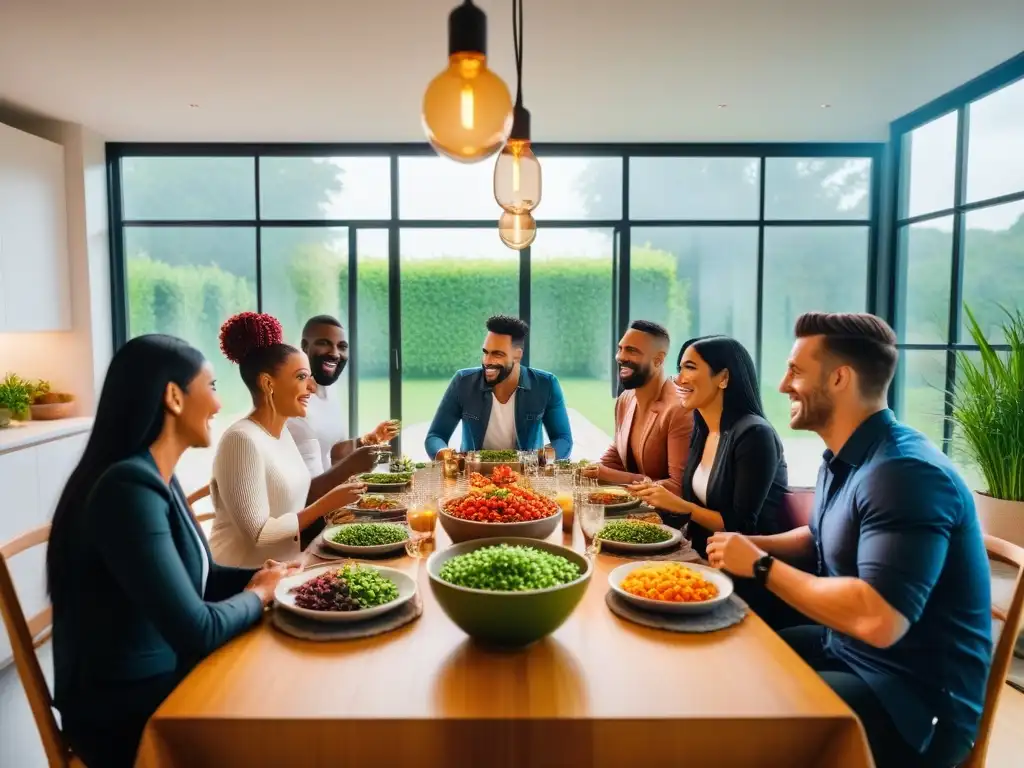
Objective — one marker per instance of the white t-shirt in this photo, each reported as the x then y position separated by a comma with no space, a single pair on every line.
259,486
501,429
700,483
322,428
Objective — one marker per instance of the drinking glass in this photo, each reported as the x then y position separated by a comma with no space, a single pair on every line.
422,520
591,521
564,487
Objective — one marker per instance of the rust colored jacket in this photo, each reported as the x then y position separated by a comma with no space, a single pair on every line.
664,441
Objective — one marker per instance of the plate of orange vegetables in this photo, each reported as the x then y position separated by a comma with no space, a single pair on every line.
665,586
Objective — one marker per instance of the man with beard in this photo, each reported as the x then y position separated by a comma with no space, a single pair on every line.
502,404
652,428
901,590
321,435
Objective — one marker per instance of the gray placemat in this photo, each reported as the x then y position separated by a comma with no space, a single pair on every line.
322,631
731,612
682,552
321,551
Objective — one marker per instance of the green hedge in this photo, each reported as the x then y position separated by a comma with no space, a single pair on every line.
444,305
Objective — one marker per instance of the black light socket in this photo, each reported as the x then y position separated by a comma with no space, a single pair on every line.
520,123
467,30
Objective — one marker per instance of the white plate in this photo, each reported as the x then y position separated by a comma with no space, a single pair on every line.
286,600
622,546
348,549
716,577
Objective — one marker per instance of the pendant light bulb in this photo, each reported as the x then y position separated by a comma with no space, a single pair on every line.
517,177
467,109
517,230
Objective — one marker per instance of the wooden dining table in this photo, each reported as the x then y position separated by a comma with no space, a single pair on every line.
599,691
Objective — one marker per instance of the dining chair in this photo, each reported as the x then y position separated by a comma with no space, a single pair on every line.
999,551
28,634
198,495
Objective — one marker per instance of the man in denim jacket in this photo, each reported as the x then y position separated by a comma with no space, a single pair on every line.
503,404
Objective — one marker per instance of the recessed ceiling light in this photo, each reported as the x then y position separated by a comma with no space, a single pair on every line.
722,106
826,106
194,106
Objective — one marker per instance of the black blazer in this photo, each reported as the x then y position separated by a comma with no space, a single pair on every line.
129,621
748,480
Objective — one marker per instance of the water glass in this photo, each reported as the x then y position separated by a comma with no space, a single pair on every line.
591,521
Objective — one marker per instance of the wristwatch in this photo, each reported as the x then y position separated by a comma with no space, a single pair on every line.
761,567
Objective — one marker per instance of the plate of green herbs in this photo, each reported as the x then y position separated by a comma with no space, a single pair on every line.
353,592
491,457
359,539
637,536
386,481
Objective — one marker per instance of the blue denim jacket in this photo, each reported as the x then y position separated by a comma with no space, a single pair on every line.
539,401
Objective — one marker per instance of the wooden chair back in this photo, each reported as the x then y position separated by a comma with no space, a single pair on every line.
28,634
1010,554
206,517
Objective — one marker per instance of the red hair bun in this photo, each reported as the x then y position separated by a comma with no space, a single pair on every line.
246,332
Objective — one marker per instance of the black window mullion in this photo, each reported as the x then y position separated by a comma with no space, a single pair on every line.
957,270
525,306
395,305
353,331
759,276
259,235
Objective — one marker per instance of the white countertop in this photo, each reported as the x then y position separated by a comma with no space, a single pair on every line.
22,434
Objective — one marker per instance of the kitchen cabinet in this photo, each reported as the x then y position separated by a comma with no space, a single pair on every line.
35,285
31,480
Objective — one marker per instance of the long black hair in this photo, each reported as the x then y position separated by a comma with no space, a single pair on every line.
129,419
742,396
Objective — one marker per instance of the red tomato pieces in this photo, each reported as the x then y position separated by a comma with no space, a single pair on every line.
510,504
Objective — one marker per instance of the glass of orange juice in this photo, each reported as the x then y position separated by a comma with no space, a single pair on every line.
564,496
422,519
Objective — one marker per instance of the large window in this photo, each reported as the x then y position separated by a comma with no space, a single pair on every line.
742,246
959,240
402,247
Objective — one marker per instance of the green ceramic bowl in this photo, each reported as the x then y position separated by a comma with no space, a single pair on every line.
510,619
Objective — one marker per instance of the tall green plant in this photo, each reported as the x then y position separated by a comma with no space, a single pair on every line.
988,407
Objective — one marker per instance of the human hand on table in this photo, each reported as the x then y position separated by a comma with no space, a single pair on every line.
264,582
659,497
343,495
593,471
733,552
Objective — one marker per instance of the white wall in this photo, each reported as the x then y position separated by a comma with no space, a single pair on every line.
76,360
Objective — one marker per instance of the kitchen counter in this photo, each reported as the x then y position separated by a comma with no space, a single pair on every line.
22,434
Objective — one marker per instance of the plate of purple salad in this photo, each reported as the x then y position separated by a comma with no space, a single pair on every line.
352,592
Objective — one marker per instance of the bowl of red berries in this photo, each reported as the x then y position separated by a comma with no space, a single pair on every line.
511,510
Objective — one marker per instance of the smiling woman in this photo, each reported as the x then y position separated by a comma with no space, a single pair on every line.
261,485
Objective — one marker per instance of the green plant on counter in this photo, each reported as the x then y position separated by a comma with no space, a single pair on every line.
988,406
16,395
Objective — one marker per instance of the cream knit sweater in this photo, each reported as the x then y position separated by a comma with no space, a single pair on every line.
259,486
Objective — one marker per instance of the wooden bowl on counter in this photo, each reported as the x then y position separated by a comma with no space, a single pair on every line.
52,411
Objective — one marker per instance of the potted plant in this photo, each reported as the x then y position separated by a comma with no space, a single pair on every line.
15,399
988,412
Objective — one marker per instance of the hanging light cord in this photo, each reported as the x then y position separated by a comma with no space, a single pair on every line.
517,42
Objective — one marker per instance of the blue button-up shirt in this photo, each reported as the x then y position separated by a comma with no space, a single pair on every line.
540,405
892,510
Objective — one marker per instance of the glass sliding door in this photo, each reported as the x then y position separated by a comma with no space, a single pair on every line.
571,327
452,280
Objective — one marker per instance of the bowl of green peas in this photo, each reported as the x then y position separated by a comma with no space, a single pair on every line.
508,591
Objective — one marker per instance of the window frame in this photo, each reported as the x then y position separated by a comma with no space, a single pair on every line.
958,101
621,226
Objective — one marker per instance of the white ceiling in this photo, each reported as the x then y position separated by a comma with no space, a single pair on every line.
595,70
